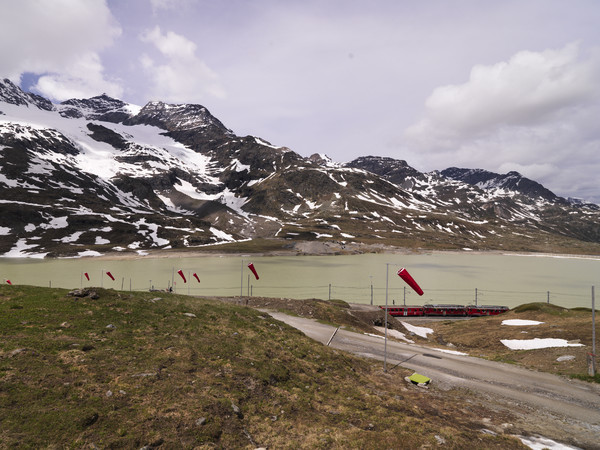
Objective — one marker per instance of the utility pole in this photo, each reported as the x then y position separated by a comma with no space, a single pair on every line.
592,357
386,319
404,295
242,279
371,277
475,296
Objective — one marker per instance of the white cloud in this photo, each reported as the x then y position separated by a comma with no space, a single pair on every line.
182,76
534,114
82,79
61,39
529,88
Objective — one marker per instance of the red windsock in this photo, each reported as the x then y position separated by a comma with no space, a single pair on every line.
403,273
87,276
110,275
180,272
196,277
8,281
251,267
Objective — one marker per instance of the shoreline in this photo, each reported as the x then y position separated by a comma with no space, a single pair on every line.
357,249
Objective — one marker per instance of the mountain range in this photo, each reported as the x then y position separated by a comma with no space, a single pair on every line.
99,175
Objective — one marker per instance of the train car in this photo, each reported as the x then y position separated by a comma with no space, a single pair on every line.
485,310
404,310
444,310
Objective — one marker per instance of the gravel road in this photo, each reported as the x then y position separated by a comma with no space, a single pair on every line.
549,405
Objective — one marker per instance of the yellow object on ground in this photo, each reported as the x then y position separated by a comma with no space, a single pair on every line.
418,378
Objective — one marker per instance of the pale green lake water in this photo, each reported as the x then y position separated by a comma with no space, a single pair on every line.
450,277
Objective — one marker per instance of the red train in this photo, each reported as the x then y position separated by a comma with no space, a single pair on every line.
445,310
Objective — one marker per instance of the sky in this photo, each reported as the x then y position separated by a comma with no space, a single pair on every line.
497,85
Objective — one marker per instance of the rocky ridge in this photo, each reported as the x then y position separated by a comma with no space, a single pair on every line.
91,176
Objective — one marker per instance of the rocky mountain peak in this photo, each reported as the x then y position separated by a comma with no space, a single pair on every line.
13,94
394,170
512,181
177,117
101,107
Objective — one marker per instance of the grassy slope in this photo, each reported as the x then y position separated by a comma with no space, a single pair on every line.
573,325
229,377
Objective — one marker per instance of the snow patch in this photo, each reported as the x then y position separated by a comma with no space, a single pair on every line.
419,331
395,334
221,235
520,322
540,443
537,343
451,352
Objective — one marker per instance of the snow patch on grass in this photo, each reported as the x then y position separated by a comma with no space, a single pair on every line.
419,331
537,343
520,322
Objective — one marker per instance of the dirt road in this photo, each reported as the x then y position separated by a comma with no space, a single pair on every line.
552,406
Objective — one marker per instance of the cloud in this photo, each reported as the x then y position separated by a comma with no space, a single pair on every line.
524,91
83,78
61,40
159,5
533,113
181,76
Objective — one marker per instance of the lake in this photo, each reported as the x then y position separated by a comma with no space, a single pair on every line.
445,277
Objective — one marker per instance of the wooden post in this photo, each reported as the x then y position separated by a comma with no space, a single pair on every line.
331,338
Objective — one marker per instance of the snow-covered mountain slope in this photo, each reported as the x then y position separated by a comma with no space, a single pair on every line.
90,176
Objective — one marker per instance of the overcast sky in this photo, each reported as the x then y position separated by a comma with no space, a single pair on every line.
500,85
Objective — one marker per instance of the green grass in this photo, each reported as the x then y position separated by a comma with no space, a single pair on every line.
129,370
542,307
586,377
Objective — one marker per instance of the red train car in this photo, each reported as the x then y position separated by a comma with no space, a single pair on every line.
486,310
444,310
404,311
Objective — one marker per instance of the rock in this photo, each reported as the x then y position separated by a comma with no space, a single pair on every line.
201,421
237,411
79,293
110,326
565,358
16,352
189,314
109,393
